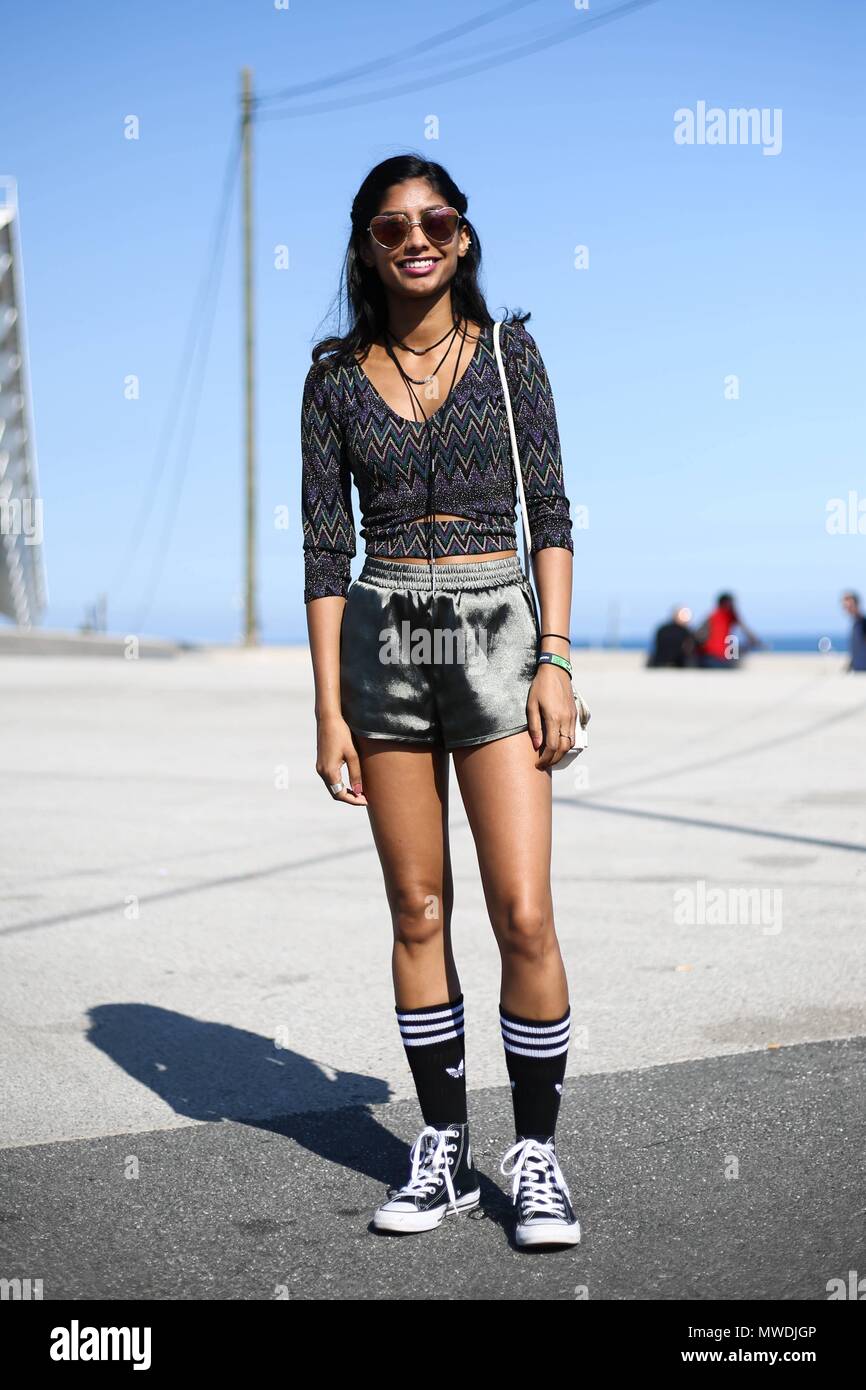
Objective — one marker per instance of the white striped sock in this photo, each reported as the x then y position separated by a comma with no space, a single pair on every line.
420,1027
535,1039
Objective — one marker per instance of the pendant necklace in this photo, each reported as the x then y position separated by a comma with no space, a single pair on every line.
425,379
428,425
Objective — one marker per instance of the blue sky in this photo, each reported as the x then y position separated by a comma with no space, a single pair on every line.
704,261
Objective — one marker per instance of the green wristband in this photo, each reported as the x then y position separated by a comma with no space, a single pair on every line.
554,659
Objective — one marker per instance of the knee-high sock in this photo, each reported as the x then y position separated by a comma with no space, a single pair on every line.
433,1039
536,1051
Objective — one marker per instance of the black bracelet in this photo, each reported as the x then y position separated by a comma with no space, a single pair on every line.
554,659
555,634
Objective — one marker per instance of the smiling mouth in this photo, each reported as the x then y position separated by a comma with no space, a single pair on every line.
418,263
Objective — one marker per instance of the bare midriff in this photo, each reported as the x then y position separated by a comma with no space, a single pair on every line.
446,559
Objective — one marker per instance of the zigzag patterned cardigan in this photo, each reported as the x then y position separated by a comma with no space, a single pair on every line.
349,432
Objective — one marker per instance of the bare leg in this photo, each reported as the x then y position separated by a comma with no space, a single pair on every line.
508,803
406,786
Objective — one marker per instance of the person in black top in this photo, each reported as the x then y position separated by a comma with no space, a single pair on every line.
674,643
408,405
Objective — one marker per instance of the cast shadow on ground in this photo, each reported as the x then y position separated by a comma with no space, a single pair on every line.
214,1072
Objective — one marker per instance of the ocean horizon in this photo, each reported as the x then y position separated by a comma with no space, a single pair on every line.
822,644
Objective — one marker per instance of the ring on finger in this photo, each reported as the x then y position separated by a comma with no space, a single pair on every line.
335,788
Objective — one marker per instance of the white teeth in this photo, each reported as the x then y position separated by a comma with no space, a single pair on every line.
416,265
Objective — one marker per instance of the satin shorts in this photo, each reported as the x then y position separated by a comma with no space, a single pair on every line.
452,667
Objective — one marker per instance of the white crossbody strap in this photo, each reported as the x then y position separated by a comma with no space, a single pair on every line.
580,737
518,472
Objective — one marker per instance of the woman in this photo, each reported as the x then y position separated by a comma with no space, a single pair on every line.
409,403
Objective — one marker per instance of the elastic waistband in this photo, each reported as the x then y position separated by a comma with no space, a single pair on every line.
475,574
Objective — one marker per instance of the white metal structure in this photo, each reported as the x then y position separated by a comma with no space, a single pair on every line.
23,592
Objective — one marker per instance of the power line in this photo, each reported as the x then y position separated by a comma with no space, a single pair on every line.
183,375
377,64
506,54
205,310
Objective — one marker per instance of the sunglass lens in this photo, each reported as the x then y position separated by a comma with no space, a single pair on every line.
389,231
440,224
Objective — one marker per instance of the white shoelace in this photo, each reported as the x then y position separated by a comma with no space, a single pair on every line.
429,1157
536,1168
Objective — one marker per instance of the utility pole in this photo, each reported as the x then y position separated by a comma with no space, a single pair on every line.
251,625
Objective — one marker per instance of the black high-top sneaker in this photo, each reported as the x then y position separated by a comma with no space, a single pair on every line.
545,1215
443,1182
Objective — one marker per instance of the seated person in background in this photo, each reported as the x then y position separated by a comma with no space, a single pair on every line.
673,644
716,647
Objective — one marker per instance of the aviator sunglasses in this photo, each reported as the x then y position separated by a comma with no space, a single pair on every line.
390,229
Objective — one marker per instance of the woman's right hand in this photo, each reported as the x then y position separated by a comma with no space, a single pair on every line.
335,747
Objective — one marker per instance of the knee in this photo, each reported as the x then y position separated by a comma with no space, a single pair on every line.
526,928
418,915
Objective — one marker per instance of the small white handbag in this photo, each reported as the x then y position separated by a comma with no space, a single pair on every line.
581,737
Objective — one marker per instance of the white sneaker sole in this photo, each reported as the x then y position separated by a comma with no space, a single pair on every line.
408,1221
553,1233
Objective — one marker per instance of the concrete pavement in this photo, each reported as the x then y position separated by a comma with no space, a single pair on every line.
194,972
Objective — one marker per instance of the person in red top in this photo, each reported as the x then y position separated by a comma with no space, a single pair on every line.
716,647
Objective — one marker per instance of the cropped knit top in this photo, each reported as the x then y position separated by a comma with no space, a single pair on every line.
349,432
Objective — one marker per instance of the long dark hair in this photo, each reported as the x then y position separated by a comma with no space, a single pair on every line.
361,295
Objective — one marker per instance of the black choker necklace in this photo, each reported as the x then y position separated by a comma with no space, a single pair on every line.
425,379
419,352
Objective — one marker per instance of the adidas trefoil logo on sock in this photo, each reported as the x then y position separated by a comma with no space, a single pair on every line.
558,1087
456,1071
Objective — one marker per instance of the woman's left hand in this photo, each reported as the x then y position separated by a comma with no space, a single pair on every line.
551,713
